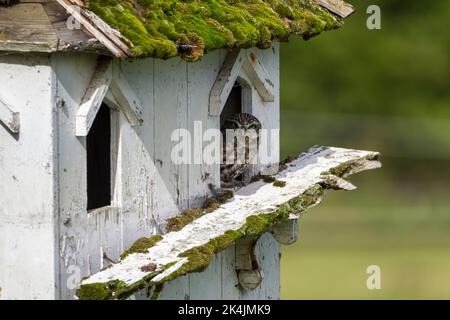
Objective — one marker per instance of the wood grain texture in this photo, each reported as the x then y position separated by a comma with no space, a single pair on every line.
26,27
338,7
109,37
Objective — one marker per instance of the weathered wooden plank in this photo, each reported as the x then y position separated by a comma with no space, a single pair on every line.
267,253
247,268
109,37
201,77
306,179
73,38
170,100
80,236
27,180
136,181
259,77
225,81
93,98
9,117
338,7
26,27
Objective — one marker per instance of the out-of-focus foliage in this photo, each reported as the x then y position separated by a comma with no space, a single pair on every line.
403,69
386,90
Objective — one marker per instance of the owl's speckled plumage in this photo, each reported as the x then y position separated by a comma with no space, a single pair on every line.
231,169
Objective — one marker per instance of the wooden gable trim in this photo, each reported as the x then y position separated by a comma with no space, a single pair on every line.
225,80
236,63
108,84
93,98
126,98
259,77
9,117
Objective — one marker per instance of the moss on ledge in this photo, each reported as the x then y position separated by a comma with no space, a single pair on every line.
190,28
179,222
142,245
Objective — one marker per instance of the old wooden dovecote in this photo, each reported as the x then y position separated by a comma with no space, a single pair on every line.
91,205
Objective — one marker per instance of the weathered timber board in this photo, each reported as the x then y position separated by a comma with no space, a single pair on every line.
318,169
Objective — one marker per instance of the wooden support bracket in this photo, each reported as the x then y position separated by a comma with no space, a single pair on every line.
286,233
9,117
247,268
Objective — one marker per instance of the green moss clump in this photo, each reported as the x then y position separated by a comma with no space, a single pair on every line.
166,28
269,179
95,291
342,171
279,184
142,245
179,222
100,291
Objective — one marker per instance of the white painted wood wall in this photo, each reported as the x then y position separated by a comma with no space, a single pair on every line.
28,186
48,199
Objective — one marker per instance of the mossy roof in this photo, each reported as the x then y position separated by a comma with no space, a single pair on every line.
163,28
191,28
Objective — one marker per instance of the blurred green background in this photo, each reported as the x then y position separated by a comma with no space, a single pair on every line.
386,90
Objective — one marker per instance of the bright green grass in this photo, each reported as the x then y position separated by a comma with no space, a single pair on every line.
341,274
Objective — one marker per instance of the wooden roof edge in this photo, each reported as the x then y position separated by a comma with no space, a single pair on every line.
107,36
111,39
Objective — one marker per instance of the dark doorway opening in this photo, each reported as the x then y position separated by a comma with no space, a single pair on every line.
233,104
98,145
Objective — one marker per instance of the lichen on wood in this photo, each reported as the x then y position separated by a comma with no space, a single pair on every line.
190,28
253,210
